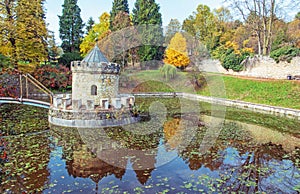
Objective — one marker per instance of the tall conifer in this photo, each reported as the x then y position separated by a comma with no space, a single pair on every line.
70,26
146,12
117,7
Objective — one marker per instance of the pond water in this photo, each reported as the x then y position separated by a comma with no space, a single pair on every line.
252,153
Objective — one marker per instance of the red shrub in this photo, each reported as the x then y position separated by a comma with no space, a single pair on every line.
54,77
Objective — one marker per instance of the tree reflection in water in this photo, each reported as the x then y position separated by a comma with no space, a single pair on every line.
90,153
237,163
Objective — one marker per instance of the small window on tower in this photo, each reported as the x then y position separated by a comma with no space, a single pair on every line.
94,90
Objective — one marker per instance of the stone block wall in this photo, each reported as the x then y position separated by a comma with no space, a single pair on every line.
107,86
261,67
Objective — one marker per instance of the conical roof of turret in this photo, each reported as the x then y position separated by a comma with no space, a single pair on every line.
95,56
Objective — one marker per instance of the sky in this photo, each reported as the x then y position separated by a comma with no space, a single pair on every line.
179,9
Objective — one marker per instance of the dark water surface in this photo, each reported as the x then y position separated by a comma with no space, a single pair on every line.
252,153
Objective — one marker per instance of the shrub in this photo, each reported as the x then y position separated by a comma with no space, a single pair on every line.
231,57
67,58
234,61
9,83
54,77
4,61
168,71
285,53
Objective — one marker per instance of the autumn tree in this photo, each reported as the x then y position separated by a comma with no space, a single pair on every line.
201,24
31,42
121,38
23,31
98,32
8,30
173,27
70,26
223,27
146,12
260,17
176,53
117,7
188,26
293,31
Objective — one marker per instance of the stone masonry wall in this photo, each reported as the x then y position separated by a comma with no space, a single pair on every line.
263,67
107,86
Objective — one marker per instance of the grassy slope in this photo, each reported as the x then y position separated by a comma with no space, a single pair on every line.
274,92
271,92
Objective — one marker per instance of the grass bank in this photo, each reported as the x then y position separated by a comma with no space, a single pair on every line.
284,93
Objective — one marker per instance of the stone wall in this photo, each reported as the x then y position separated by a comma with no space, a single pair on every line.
90,119
107,86
261,67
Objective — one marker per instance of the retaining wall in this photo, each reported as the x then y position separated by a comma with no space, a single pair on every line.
261,67
280,111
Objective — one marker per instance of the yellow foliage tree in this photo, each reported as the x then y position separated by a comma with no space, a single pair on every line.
176,53
294,31
98,32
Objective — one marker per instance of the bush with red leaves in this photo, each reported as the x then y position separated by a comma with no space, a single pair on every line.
54,77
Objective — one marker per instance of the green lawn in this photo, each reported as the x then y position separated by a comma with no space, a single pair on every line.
283,93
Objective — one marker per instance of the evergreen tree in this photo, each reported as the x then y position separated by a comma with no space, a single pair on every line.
146,12
53,50
31,42
70,26
117,7
90,24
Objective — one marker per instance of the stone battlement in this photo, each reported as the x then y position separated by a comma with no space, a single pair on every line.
103,67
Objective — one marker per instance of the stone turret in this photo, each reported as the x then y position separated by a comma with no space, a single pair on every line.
95,80
95,100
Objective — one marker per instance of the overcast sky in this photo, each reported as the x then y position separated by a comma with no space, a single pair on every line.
169,9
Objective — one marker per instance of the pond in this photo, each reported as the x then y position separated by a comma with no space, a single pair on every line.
171,151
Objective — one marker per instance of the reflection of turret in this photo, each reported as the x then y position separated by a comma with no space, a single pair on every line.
85,164
80,161
115,145
144,161
97,153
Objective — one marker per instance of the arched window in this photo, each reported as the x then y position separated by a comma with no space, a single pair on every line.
94,90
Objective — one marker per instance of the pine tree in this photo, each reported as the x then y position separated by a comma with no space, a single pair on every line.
70,26
146,12
90,24
53,50
31,42
117,7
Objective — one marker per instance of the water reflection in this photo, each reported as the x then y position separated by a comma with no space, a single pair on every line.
100,157
167,159
235,163
25,167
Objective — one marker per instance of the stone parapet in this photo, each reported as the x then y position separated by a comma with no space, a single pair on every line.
88,119
103,67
